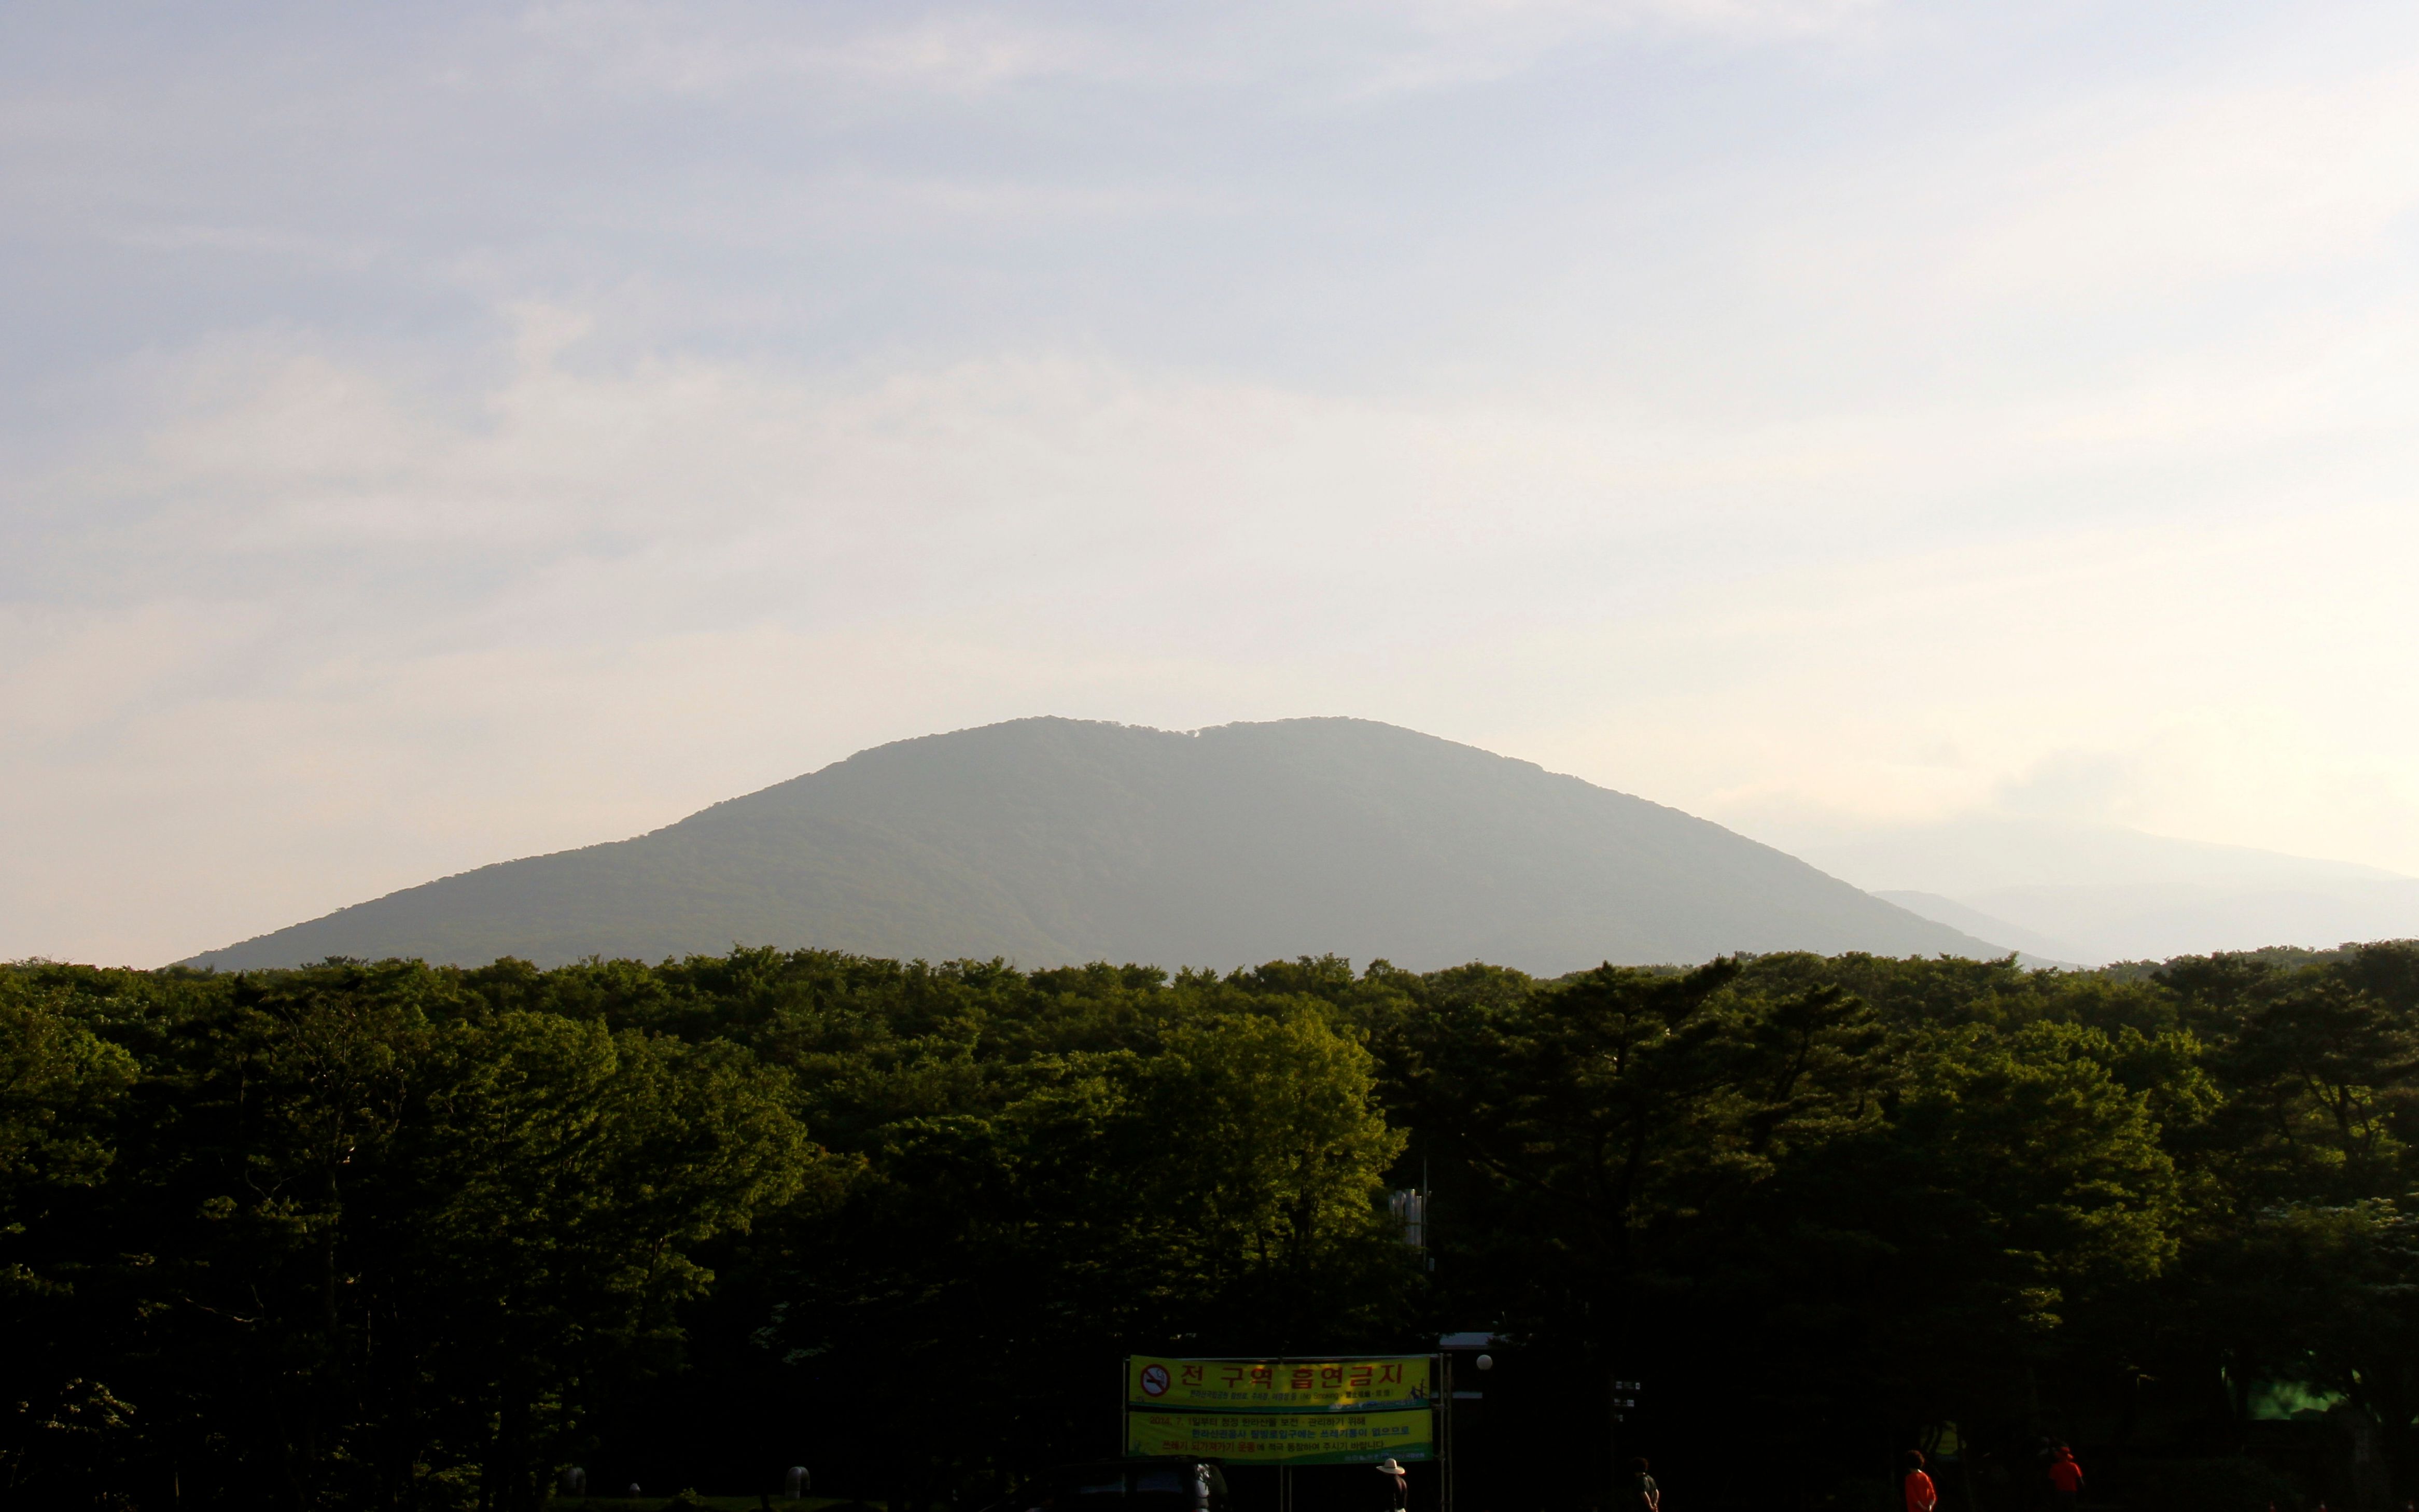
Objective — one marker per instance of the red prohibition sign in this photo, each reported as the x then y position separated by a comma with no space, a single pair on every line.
1154,1381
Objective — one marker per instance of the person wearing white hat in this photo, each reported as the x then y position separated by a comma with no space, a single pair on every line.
1398,1484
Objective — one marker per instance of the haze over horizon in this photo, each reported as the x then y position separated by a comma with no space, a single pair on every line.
444,435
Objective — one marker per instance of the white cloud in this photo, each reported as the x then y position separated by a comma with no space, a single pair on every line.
2216,183
1334,51
709,49
412,635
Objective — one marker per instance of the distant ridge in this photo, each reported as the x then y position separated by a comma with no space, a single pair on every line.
1050,841
2095,893
2032,950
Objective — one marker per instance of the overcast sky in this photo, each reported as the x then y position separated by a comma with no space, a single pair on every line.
436,434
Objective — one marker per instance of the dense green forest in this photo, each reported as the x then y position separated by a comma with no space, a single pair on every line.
394,1236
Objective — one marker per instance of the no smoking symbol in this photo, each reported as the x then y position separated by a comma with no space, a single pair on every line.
1154,1381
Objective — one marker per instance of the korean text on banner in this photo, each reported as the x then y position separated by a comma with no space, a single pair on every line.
1367,1385
1284,1439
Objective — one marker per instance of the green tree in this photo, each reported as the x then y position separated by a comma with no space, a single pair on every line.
59,1084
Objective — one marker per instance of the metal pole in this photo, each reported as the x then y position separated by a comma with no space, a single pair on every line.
1284,1471
1446,1448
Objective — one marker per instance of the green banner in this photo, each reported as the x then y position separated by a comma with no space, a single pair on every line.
1370,1384
1284,1439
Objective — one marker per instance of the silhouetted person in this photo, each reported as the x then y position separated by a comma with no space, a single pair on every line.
1398,1485
1644,1495
1922,1495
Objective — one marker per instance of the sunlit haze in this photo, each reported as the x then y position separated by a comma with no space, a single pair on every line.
439,434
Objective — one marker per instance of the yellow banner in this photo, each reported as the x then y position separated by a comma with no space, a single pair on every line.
1279,1385
1287,1438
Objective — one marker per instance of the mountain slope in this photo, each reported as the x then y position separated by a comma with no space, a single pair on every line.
1051,840
2096,894
2033,949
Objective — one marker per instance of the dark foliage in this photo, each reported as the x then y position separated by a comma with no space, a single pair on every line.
395,1236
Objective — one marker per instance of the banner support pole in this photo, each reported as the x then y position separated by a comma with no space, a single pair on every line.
1445,1446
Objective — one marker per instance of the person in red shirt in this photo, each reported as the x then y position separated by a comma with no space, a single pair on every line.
1920,1494
2065,1479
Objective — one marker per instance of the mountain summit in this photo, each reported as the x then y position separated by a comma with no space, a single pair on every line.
1051,840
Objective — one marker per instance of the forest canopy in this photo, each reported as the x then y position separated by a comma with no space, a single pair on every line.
383,1234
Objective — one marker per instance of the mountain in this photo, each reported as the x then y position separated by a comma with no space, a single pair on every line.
2149,921
1051,840
2096,894
2032,950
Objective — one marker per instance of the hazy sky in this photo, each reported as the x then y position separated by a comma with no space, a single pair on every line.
436,434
